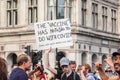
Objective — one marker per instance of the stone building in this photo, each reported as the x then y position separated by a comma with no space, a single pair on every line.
94,23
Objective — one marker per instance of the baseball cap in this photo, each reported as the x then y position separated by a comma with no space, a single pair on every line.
116,53
64,61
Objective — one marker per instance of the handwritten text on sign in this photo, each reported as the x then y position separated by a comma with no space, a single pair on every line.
53,34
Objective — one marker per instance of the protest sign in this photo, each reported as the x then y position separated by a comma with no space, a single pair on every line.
54,34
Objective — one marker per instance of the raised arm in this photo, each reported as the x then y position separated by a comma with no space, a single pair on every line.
33,71
100,70
54,71
109,62
83,77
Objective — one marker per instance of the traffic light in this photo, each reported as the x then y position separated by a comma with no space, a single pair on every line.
27,50
34,58
59,55
39,53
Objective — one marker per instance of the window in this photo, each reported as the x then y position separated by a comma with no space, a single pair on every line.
95,15
12,14
59,9
113,20
83,12
51,10
104,18
32,11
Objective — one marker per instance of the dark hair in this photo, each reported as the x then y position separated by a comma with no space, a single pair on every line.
3,69
22,58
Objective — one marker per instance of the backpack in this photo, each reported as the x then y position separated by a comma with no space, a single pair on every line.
74,75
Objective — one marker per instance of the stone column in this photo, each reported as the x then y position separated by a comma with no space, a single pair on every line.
118,14
3,11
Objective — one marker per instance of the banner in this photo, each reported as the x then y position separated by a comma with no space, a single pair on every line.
54,34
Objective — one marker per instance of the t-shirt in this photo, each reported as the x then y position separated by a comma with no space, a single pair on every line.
18,74
90,76
42,76
71,76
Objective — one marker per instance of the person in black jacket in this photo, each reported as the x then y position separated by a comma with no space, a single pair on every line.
68,74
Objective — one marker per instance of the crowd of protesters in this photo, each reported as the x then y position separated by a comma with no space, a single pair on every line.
66,71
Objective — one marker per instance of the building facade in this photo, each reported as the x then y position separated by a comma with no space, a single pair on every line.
94,24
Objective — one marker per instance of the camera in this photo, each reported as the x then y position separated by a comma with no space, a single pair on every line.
38,68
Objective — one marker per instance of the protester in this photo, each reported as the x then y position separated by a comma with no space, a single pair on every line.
3,69
56,72
115,64
66,73
24,64
38,75
86,73
73,65
59,55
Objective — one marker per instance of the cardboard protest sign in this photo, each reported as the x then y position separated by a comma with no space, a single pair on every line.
54,34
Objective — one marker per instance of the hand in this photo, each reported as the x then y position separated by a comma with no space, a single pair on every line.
98,65
82,69
47,51
109,61
37,67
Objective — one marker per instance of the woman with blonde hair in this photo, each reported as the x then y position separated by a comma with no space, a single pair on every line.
86,73
3,69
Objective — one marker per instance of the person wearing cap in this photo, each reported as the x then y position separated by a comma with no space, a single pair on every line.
115,63
66,73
